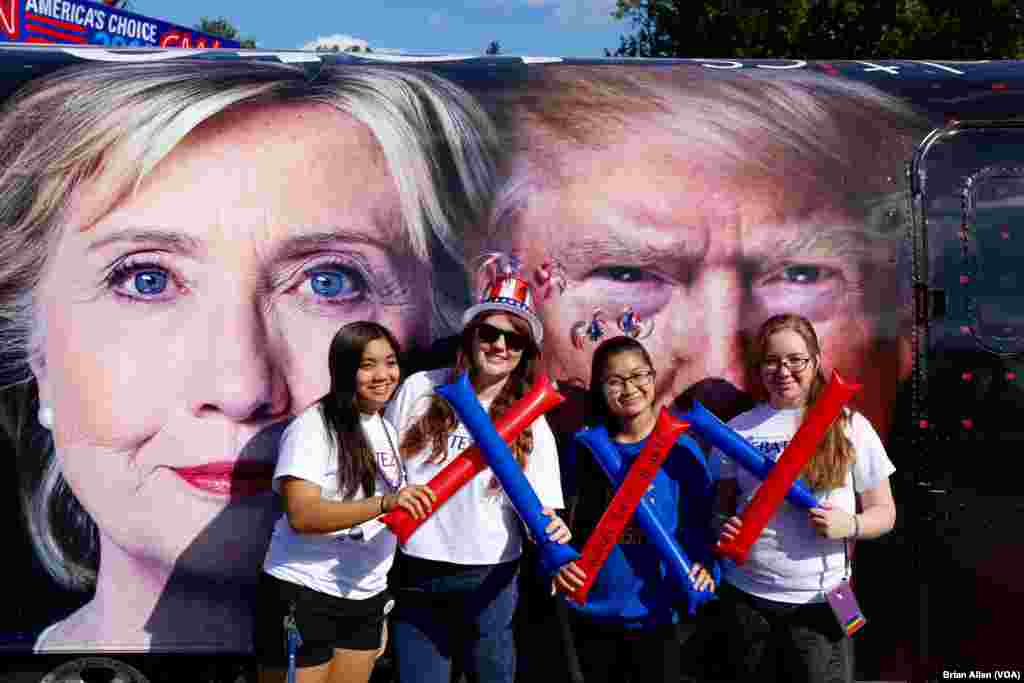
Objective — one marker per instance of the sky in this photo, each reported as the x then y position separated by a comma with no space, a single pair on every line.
563,28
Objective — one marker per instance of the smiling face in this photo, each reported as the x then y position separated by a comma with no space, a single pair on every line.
788,367
377,375
628,385
493,355
707,257
199,312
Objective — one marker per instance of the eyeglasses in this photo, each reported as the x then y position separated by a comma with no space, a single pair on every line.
791,363
489,334
640,378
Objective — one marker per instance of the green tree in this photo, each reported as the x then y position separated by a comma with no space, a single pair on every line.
822,29
493,48
223,28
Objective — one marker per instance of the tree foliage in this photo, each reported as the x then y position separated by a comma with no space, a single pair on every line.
823,29
224,28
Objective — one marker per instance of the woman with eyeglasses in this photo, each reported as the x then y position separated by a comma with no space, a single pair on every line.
456,577
635,617
775,603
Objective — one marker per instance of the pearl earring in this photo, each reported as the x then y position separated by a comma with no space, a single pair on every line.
45,417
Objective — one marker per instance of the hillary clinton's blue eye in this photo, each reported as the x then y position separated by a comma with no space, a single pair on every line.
150,282
328,284
337,282
141,278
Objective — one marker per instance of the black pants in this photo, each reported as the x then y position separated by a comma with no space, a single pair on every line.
767,640
618,655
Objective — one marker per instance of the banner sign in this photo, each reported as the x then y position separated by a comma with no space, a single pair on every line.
77,22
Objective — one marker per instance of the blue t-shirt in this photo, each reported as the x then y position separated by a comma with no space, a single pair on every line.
633,588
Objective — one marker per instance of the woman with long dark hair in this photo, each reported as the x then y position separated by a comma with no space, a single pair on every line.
339,469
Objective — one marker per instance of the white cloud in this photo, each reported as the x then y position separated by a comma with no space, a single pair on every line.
342,40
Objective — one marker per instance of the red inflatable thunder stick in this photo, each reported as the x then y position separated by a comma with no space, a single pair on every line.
541,398
773,490
639,478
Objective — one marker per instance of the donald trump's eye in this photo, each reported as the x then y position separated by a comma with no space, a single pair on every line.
624,274
804,274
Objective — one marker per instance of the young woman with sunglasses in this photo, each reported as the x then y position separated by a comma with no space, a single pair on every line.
635,619
775,603
327,565
456,577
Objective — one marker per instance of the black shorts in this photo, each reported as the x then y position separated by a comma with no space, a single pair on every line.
326,623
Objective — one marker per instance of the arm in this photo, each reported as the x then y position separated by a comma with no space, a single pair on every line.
544,474
879,511
877,519
726,498
309,513
696,509
872,468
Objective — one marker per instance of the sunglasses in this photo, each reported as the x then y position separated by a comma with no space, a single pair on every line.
489,334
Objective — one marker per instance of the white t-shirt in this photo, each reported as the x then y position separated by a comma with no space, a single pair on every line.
352,563
790,562
477,525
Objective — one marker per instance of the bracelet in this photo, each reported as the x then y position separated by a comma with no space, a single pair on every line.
856,526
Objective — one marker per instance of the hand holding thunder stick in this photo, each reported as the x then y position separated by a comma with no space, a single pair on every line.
771,493
614,520
739,449
677,564
463,400
541,398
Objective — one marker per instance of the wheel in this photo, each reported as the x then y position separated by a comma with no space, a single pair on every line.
89,669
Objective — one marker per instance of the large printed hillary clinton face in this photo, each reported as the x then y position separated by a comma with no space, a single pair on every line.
199,311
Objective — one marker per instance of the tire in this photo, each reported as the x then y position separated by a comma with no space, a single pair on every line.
82,670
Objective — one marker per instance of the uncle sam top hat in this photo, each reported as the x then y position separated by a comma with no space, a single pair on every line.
505,290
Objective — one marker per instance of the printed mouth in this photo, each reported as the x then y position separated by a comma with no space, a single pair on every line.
229,479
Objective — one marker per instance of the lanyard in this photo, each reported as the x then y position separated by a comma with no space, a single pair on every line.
847,565
396,483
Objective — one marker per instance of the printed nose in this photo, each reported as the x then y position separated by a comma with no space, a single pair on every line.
240,376
707,335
